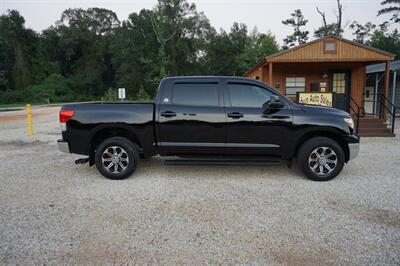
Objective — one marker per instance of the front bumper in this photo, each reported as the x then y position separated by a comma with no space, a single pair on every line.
354,149
63,146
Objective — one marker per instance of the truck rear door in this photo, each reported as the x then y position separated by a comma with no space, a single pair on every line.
191,118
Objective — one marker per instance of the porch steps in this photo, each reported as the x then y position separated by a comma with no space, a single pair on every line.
374,127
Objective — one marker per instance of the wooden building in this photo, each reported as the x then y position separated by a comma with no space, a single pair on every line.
331,71
374,85
329,64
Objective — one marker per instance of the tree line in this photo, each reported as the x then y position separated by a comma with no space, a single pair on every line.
88,53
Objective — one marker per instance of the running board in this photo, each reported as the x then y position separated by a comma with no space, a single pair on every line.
221,161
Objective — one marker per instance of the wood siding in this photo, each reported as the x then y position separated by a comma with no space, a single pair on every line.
358,84
316,65
314,73
346,51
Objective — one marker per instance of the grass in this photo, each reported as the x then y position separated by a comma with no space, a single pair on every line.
16,105
20,106
10,109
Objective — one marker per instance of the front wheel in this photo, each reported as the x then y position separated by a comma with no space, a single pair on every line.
116,158
321,158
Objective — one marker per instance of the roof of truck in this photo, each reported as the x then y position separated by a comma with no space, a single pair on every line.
209,77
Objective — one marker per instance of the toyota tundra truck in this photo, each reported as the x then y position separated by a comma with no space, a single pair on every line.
210,120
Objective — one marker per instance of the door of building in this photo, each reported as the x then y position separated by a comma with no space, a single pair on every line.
369,100
340,84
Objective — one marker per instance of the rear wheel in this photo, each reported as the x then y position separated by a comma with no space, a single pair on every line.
321,159
116,158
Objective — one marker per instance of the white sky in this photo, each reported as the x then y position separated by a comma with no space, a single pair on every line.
264,14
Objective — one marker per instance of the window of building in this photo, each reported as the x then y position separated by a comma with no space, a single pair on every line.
197,94
330,47
339,82
294,85
247,95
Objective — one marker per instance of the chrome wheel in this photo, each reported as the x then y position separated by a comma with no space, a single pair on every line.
322,161
115,159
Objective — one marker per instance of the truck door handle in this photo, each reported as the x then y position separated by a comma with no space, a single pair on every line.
168,114
235,115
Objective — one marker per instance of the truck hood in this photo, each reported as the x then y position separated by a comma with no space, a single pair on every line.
324,110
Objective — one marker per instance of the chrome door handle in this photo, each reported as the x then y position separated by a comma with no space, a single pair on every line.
235,115
168,114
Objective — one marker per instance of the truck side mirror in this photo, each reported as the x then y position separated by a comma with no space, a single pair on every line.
273,103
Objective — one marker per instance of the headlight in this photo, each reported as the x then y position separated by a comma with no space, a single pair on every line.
349,122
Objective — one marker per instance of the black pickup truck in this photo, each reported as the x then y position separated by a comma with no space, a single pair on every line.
208,120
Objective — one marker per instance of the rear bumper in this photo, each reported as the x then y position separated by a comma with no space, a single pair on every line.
354,149
63,146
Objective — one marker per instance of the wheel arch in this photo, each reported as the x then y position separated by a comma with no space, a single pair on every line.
104,133
328,134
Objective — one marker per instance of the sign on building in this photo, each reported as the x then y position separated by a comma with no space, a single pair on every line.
316,98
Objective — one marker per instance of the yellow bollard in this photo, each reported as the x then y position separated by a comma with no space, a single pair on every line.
28,112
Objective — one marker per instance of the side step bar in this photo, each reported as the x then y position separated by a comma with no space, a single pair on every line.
221,161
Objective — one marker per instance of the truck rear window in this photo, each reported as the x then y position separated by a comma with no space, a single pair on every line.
198,94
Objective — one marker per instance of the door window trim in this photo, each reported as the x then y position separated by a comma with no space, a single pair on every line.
227,95
219,90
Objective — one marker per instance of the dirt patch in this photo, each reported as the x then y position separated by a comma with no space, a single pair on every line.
369,214
13,117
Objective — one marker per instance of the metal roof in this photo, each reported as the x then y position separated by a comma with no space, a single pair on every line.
394,65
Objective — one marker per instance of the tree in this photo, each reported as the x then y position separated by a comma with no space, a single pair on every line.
18,52
82,38
362,32
297,21
334,28
223,51
257,46
393,9
167,40
135,53
386,41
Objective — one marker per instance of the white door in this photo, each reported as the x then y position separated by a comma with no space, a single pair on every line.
369,100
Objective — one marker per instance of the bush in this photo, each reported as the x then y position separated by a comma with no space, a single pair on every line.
143,96
53,89
111,95
10,96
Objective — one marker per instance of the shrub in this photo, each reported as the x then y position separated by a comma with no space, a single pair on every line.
111,95
53,89
10,96
143,96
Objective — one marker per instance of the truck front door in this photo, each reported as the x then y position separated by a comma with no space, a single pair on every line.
251,130
191,118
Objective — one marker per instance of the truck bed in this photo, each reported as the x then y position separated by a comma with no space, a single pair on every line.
90,120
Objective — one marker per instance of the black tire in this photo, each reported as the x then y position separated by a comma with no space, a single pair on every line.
331,158
115,146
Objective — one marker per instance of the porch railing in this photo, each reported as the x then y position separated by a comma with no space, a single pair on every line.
356,111
382,104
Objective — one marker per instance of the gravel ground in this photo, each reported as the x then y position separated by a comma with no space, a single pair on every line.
54,212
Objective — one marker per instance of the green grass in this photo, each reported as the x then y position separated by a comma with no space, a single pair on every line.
14,105
23,105
10,109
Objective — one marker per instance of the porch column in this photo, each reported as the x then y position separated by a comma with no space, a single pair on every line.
386,86
271,83
262,76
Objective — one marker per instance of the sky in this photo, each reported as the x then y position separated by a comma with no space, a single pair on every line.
266,15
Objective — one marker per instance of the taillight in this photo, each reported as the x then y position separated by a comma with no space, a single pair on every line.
66,115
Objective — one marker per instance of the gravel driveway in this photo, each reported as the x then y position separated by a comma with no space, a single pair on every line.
55,212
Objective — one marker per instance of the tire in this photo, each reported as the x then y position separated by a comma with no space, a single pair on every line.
116,158
321,152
